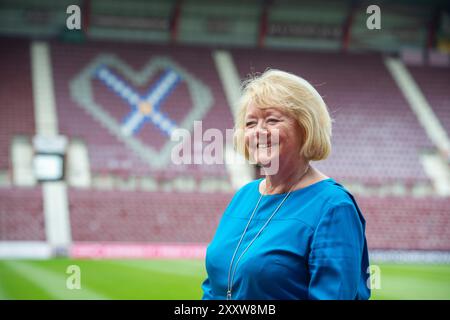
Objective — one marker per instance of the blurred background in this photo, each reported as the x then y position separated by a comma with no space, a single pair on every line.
90,196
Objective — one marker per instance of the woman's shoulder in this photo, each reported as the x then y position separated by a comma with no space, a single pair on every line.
338,198
335,194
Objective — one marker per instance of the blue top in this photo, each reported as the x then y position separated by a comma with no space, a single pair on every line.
313,248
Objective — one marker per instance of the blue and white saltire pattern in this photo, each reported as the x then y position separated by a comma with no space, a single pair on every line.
144,108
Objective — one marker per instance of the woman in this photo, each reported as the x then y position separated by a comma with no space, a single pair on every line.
297,234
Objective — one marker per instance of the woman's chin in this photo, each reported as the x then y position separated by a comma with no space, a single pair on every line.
264,159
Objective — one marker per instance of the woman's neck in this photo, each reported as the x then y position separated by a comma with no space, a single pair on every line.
286,179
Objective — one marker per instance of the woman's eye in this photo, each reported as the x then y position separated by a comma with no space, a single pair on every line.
272,120
250,123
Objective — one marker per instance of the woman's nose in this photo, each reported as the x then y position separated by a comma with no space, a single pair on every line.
261,130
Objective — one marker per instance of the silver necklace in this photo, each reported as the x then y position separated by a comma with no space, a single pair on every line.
230,272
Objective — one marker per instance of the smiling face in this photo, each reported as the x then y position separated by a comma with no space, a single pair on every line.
271,134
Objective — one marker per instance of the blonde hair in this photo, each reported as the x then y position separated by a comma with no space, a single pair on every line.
280,89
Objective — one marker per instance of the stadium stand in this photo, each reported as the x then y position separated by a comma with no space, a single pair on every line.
347,84
133,20
107,153
403,26
21,209
407,223
377,139
159,217
21,214
293,24
435,84
100,216
16,96
201,23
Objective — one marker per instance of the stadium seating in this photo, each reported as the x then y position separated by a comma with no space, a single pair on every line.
435,83
407,223
21,214
145,217
377,138
107,153
127,216
16,98
99,216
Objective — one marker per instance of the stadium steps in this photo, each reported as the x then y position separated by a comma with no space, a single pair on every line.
55,204
436,169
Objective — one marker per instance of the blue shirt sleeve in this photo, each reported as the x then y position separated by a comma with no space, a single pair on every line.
336,253
207,292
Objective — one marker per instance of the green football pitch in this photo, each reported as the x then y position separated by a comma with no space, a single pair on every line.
177,279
